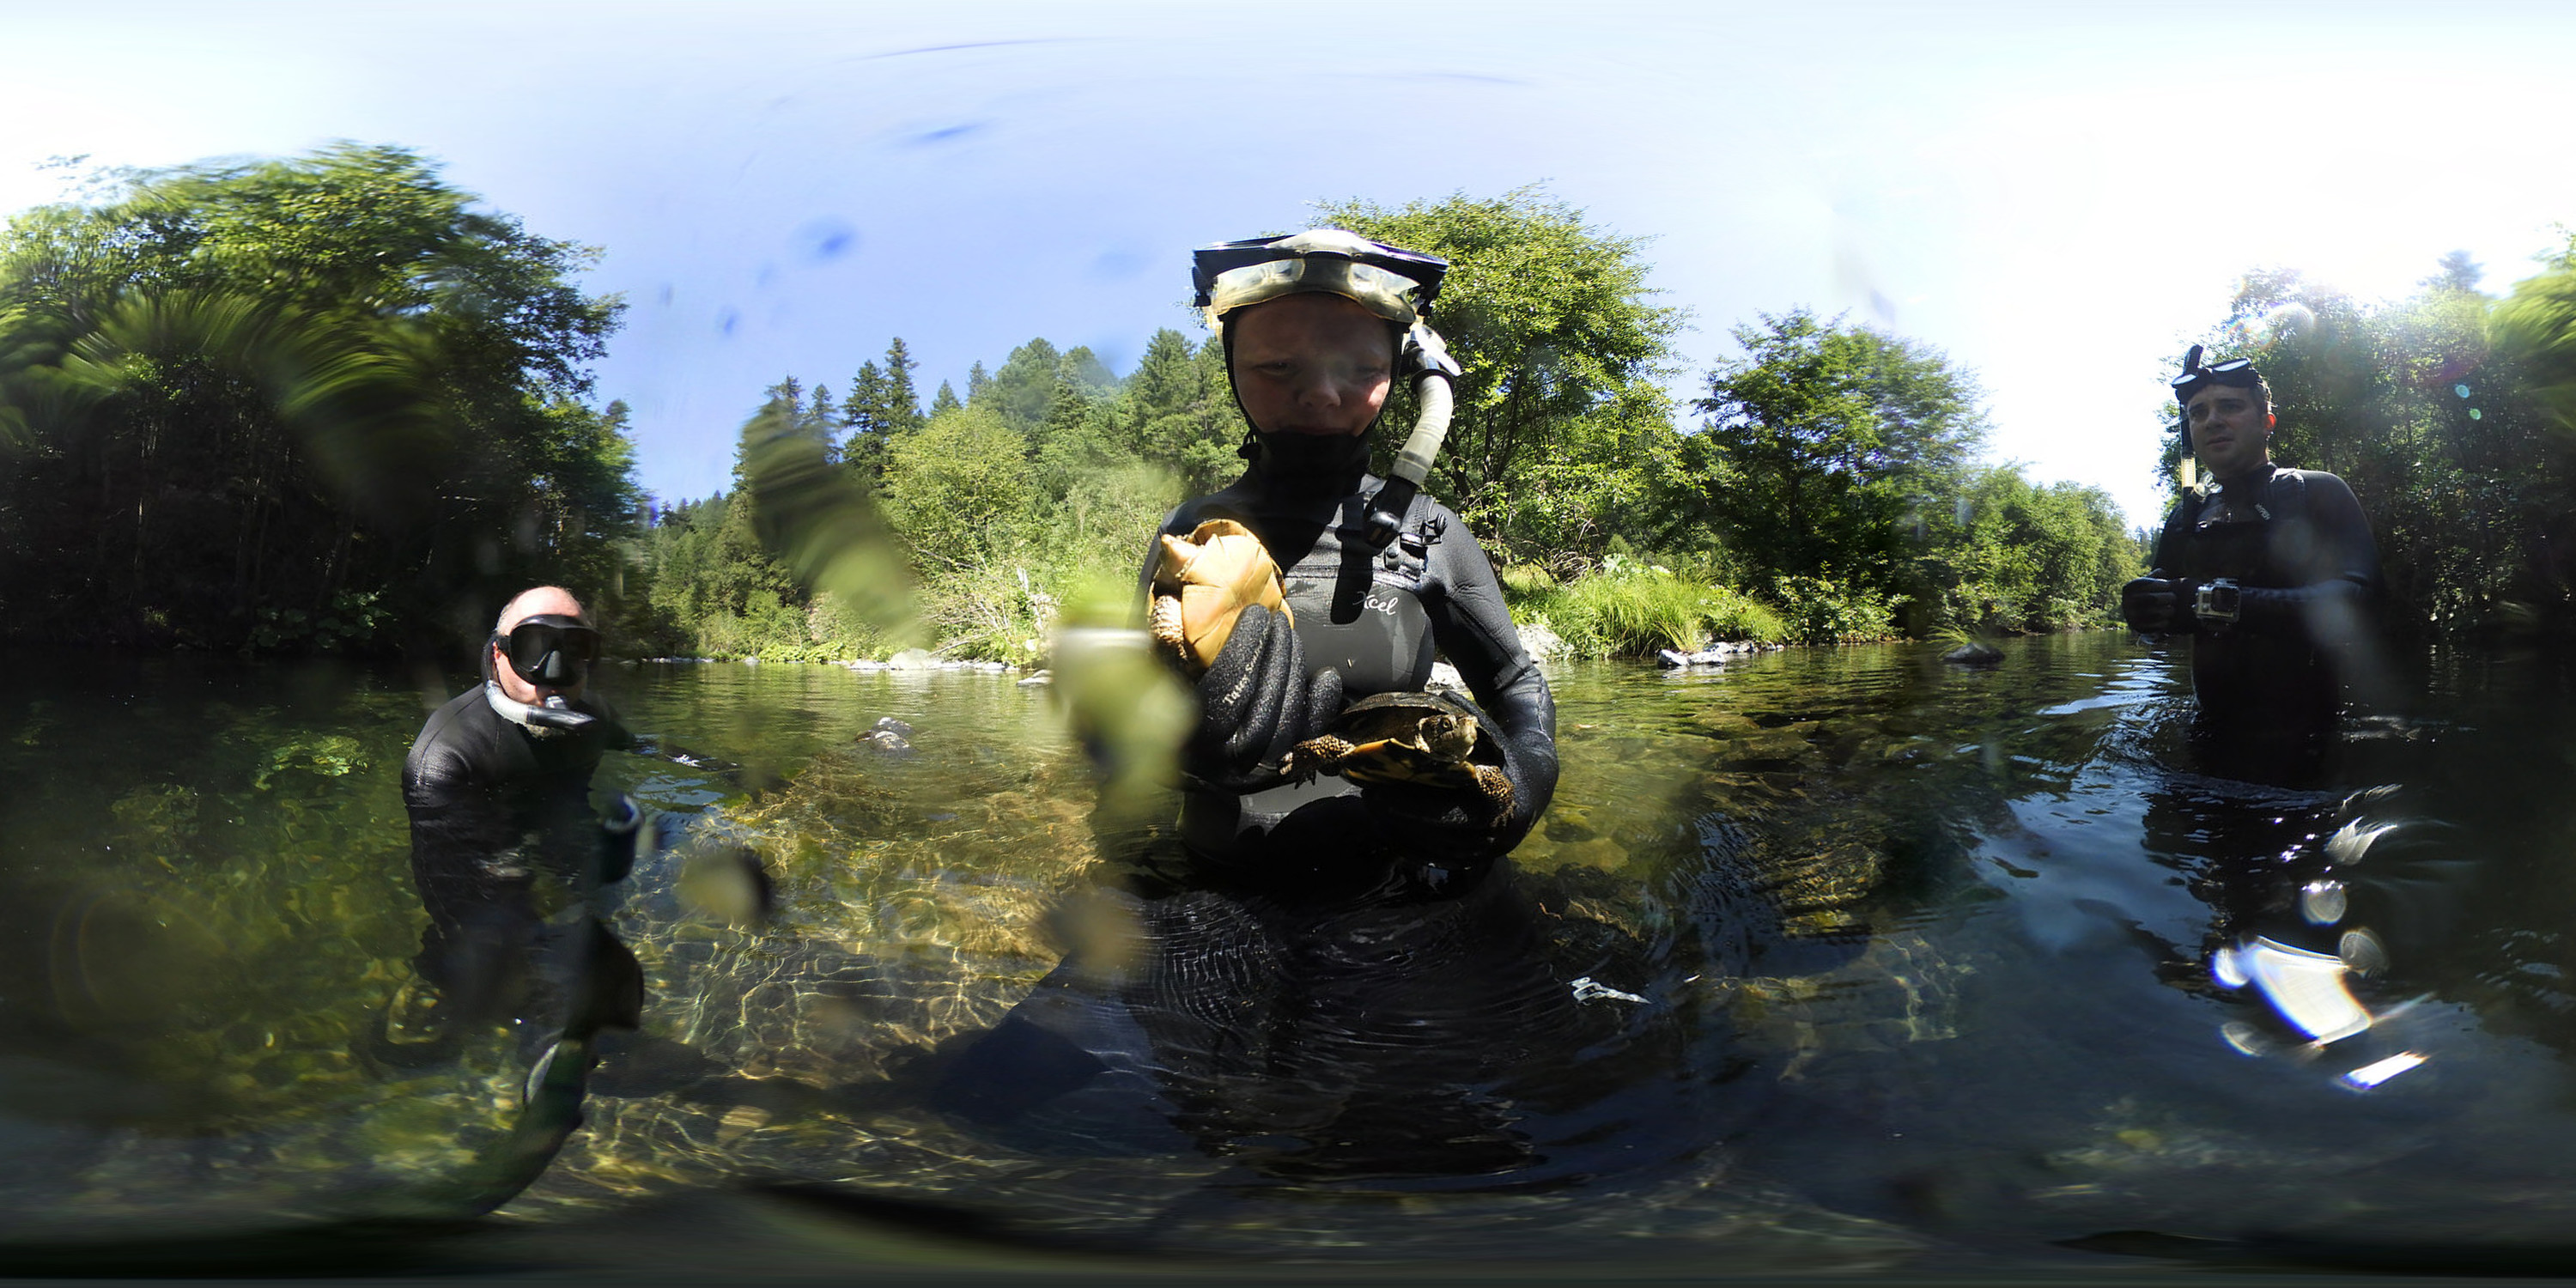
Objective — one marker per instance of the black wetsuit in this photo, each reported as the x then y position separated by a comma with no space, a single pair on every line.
502,833
1377,619
2300,548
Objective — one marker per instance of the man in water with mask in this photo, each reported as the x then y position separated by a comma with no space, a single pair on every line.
498,788
1317,328
2272,571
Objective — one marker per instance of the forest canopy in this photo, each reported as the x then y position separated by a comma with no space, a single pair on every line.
335,403
319,403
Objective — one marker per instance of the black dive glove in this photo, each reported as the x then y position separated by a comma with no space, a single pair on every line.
1255,703
2160,605
1460,825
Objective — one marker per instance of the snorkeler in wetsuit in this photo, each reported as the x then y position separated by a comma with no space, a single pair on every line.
1342,981
503,835
1316,328
2272,571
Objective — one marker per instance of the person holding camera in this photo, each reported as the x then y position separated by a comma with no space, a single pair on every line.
2271,571
1319,328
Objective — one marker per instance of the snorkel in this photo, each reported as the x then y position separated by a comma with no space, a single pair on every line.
552,717
547,649
1435,380
1395,284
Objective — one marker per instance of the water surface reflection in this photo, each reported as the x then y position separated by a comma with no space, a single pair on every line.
1839,960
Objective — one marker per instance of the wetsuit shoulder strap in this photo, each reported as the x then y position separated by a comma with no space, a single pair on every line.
2168,555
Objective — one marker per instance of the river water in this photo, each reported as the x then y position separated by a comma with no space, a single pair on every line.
1836,961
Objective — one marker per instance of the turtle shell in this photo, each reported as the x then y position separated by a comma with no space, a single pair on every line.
1202,582
1394,715
1430,739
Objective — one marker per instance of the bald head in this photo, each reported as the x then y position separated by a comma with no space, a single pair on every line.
538,601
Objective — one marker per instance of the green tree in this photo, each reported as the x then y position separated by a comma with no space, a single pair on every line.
1088,371
1180,413
881,407
863,417
320,402
1821,441
946,401
1023,389
900,408
1552,320
2009,556
957,493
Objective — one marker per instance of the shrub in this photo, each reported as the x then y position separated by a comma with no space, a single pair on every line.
1633,610
1821,610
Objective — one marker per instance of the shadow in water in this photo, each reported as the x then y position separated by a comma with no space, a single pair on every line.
1414,1029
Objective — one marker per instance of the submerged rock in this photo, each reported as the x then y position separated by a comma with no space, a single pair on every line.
1974,653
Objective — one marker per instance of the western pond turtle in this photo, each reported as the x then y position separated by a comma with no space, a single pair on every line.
1202,582
1430,739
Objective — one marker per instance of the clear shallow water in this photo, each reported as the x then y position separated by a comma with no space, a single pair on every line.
1918,955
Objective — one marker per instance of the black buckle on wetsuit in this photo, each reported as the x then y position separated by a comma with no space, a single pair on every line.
1409,552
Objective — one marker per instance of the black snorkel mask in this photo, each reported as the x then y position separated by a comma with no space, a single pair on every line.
2236,372
1397,285
552,650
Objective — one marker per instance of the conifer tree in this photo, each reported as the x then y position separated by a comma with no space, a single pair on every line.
1025,386
863,412
901,404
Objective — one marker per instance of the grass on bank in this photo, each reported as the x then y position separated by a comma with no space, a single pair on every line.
1632,609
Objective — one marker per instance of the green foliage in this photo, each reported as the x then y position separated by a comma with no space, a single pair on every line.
955,492
310,405
240,397
1628,609
1821,610
2008,556
1181,416
1822,440
1023,390
1551,319
882,406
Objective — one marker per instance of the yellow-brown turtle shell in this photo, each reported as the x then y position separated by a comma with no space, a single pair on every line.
1202,582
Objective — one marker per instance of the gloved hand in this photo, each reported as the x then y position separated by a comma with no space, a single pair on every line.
1458,825
2160,605
620,825
1255,703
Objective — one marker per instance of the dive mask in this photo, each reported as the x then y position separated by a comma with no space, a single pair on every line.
2238,372
1395,284
550,649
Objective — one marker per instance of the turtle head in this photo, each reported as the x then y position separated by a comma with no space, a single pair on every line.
1449,737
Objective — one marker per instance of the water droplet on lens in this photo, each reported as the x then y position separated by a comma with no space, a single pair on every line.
2362,952
2224,968
2474,414
2323,903
2244,1037
2461,390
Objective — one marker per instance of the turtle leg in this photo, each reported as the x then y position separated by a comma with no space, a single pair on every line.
1316,755
1165,622
1497,789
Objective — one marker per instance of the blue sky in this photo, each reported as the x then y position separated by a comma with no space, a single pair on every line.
2060,198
